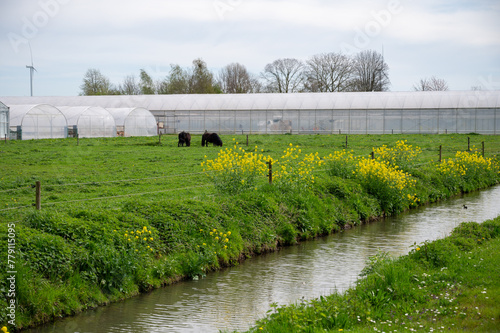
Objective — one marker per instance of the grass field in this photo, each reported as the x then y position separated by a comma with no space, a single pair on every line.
122,216
119,166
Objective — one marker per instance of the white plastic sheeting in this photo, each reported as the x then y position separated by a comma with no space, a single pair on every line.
4,121
40,121
297,101
90,121
353,112
134,121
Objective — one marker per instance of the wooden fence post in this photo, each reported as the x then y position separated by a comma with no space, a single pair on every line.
346,142
468,143
482,149
373,155
247,140
270,171
440,153
159,138
38,201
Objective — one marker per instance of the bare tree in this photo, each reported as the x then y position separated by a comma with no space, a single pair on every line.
370,72
256,84
129,86
284,76
328,72
235,79
94,83
432,84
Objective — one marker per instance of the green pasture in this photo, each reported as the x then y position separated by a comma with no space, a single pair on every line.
71,170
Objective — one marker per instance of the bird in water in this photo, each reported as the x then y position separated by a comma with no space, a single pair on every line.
465,207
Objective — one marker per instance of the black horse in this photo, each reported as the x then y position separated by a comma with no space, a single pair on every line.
184,138
210,138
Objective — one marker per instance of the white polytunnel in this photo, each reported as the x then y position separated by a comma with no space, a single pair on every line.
40,121
134,121
4,121
89,121
415,112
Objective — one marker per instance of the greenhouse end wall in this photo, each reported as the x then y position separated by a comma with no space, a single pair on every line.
4,121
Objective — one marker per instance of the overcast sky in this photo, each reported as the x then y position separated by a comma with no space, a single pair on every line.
458,41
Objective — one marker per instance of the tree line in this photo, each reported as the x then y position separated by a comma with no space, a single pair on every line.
326,72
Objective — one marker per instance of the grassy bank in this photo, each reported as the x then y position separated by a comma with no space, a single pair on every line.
126,215
448,285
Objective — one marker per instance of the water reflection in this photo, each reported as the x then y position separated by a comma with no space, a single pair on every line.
236,297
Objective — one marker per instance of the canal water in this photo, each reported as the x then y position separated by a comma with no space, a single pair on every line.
233,299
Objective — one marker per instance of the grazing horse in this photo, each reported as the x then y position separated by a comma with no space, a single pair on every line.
184,138
210,137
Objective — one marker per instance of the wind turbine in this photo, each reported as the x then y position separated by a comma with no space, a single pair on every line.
31,70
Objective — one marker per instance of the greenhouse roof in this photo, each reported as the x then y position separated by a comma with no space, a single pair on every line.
295,101
73,113
44,111
3,107
121,114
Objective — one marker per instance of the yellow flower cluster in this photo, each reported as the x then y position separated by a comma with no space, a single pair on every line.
468,168
394,188
237,160
341,155
139,237
218,240
368,168
235,169
4,329
294,170
402,154
466,162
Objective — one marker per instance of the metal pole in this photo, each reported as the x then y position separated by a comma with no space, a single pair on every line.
38,202
270,171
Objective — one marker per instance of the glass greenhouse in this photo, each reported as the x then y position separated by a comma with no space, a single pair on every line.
4,121
40,121
89,121
324,113
134,121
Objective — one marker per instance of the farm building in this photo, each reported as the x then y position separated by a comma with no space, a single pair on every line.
4,121
89,121
39,121
323,113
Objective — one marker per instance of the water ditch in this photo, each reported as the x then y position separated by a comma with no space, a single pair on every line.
236,297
